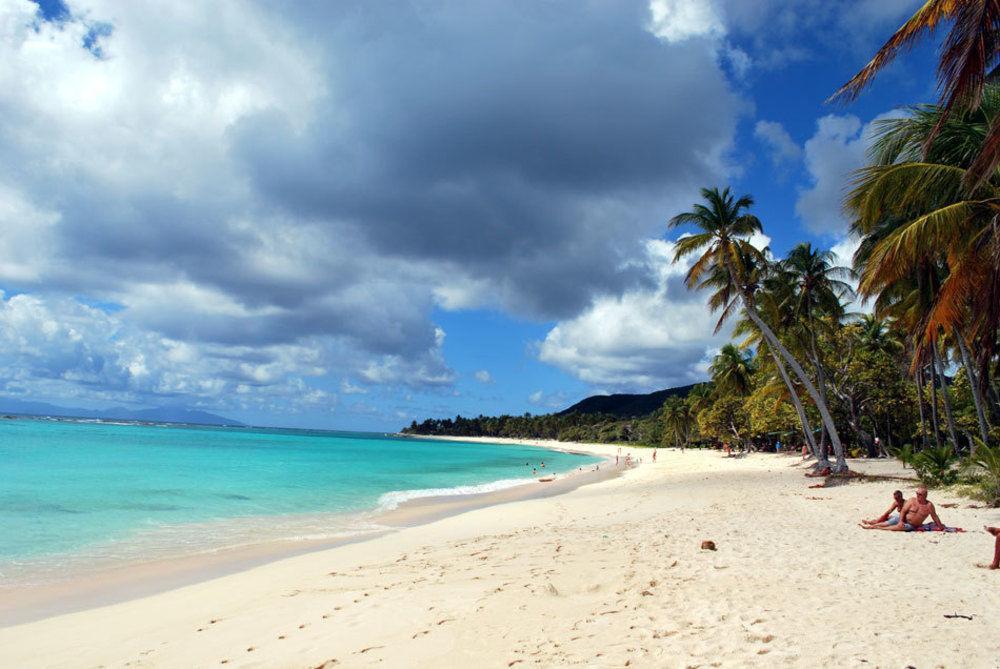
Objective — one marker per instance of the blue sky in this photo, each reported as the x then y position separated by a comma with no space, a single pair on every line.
352,215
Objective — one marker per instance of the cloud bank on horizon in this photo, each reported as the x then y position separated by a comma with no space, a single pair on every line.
260,207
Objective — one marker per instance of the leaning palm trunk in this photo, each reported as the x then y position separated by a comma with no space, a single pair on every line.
977,397
824,412
945,395
820,386
806,429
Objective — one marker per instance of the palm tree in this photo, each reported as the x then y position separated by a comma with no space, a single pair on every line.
772,303
699,398
677,417
969,59
816,298
877,336
922,223
732,370
731,265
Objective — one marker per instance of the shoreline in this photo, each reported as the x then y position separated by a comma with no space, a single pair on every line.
607,574
102,585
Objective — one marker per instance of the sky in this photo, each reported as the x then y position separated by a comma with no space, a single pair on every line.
356,214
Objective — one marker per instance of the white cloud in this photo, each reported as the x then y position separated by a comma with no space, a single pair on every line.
679,20
218,180
60,348
782,149
843,253
548,401
483,376
836,149
428,369
348,388
645,339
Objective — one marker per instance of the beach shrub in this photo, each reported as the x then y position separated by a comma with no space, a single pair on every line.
934,466
903,453
985,462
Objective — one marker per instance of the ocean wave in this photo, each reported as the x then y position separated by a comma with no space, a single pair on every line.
393,499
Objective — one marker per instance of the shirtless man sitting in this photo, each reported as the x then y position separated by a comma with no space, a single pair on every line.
913,514
890,517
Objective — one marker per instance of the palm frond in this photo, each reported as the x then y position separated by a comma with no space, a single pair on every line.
925,19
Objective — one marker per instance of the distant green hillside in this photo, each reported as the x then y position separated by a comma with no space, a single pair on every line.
631,419
625,405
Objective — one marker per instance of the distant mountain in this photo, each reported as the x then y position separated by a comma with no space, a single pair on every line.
624,405
10,405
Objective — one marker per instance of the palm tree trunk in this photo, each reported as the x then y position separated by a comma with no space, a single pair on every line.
945,395
824,412
803,419
977,396
919,378
934,403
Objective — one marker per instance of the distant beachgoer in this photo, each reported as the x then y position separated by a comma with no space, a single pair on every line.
995,531
654,455
534,470
543,465
725,447
805,451
891,515
913,514
777,446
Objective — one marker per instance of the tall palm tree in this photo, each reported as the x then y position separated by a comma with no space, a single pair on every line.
969,59
773,304
922,222
731,266
816,302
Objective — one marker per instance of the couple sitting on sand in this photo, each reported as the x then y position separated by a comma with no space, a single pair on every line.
905,516
908,516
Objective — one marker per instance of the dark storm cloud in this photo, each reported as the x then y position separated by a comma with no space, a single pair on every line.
491,135
259,180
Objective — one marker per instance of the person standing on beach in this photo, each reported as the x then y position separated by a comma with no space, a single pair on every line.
654,455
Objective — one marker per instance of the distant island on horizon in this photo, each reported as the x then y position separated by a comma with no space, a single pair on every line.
9,405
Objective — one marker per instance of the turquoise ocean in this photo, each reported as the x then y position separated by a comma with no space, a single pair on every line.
77,494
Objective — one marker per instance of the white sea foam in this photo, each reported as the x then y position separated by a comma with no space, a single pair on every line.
393,499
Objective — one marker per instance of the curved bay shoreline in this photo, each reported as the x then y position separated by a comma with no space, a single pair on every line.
605,574
100,584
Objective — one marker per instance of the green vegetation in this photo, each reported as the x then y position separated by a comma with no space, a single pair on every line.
583,427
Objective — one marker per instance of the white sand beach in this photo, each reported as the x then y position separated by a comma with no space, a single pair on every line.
610,574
